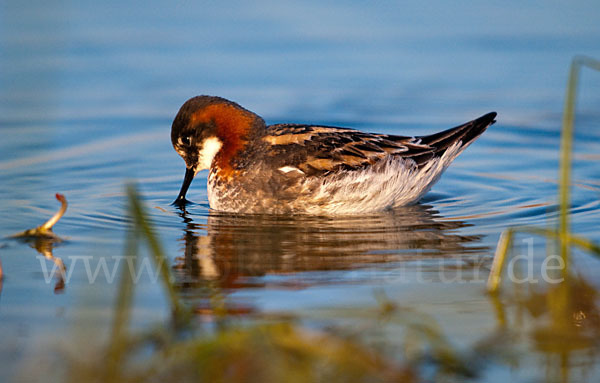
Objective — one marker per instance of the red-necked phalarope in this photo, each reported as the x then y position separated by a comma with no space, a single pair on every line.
293,168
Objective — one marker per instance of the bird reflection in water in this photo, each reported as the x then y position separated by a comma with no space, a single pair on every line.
232,251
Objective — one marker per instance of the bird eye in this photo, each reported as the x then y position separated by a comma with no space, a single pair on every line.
186,141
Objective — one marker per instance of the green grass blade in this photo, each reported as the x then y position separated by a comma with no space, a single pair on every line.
566,148
504,244
160,260
563,235
118,339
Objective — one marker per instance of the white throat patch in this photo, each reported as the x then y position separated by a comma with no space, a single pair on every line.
210,148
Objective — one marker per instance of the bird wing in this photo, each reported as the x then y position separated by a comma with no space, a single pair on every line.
317,150
322,149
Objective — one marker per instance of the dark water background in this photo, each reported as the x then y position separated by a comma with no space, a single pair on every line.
88,91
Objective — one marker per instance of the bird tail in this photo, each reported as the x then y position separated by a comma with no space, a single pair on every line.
465,133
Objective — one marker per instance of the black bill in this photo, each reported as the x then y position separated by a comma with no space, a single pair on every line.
187,181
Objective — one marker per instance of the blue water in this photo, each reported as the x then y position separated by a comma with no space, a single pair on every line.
88,91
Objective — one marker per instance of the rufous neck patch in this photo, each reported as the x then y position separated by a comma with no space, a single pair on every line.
233,127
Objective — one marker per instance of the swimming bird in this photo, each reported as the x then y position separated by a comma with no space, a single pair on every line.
312,169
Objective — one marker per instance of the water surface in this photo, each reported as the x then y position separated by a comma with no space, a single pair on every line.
88,91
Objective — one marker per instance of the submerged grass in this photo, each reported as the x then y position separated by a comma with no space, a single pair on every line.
43,240
562,234
45,230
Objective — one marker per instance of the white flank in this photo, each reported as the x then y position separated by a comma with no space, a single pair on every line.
210,148
287,169
387,184
394,183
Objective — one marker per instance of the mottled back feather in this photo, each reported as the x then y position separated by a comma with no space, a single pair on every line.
318,150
